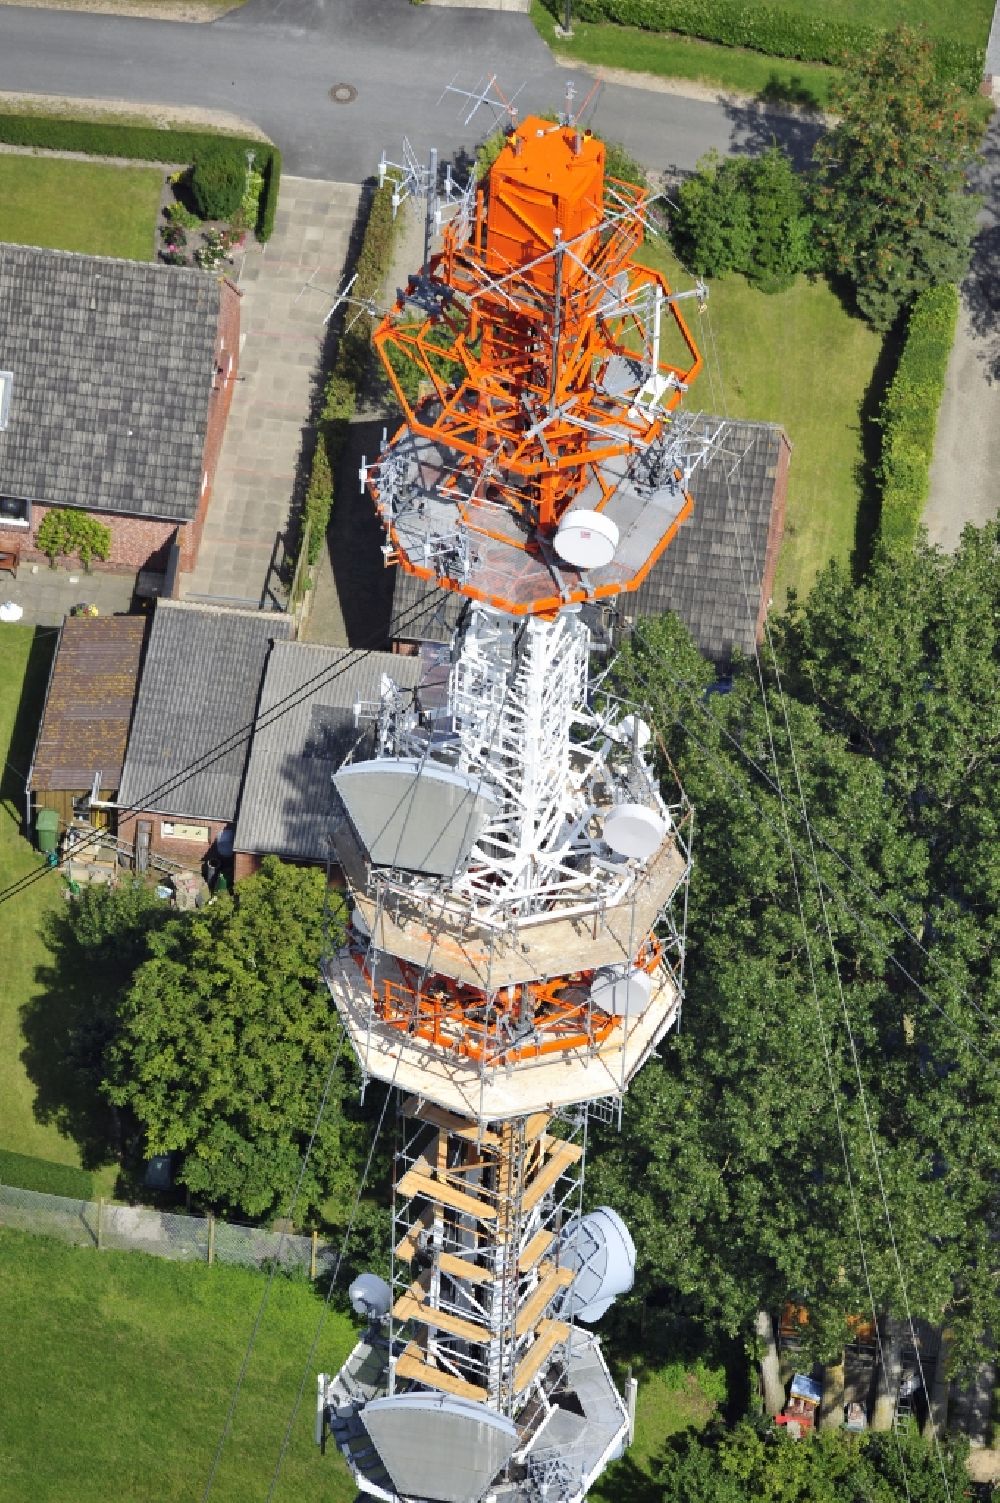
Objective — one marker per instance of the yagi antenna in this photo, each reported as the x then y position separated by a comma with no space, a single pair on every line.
488,93
412,180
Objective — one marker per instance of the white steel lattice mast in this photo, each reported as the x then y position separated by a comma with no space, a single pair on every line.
518,880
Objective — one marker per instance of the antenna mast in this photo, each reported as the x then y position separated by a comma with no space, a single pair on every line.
518,880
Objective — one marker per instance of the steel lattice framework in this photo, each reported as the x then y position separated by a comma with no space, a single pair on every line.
518,879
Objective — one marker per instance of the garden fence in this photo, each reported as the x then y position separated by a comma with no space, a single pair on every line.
164,1234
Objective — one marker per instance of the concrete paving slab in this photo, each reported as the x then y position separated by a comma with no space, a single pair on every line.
287,290
47,595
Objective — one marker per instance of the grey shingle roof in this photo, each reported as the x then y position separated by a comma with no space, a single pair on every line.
699,576
285,808
112,365
717,562
200,685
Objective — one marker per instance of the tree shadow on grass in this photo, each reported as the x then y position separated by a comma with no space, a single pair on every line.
69,1024
65,1029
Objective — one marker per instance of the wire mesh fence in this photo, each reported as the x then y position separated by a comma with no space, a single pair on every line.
164,1234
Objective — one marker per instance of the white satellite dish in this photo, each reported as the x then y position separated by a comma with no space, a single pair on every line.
634,830
359,923
622,993
631,726
586,539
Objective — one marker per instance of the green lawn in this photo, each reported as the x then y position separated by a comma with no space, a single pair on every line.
35,1153
119,1369
91,207
798,359
729,69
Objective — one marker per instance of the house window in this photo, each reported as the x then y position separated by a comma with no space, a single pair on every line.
171,830
14,512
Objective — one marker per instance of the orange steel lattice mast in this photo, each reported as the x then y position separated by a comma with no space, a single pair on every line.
518,879
527,360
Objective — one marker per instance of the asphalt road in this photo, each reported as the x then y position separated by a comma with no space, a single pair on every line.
275,62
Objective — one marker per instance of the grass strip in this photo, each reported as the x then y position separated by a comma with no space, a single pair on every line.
729,69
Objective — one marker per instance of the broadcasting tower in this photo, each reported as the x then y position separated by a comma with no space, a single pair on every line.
518,882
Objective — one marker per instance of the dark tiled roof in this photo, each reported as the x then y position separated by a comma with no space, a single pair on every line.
701,575
89,704
199,690
714,572
285,808
112,365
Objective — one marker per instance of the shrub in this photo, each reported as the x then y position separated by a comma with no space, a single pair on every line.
218,183
319,500
147,144
770,29
176,213
65,531
909,414
745,214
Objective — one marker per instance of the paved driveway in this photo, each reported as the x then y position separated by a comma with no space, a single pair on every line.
275,61
282,337
965,473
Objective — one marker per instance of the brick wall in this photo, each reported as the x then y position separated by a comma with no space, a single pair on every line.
227,365
136,542
245,865
191,852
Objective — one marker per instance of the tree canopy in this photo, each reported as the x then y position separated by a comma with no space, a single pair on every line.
730,1169
893,213
745,214
831,1467
224,1043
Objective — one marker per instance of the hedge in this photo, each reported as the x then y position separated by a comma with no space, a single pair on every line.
771,30
344,382
909,414
145,143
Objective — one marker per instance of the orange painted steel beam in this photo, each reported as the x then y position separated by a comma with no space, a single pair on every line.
518,331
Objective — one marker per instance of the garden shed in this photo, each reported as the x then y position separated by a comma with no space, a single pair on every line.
80,748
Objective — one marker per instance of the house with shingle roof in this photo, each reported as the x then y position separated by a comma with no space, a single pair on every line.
116,379
717,574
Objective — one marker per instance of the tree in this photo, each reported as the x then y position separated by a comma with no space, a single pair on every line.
745,214
730,1169
730,1466
892,210
224,1045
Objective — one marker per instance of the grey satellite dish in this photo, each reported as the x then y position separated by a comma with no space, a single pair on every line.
415,814
622,991
601,1252
370,1296
436,1446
